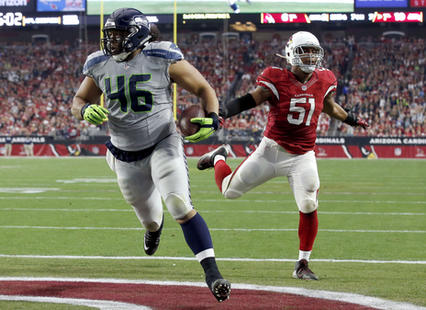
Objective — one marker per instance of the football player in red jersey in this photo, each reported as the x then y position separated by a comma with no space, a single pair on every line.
296,98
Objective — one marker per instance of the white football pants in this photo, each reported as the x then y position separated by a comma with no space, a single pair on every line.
161,176
270,160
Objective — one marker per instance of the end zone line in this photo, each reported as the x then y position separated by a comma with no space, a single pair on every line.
227,259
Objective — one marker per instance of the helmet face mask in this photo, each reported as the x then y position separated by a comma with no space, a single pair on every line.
114,40
125,31
304,51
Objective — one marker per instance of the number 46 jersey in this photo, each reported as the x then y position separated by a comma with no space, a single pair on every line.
295,107
137,94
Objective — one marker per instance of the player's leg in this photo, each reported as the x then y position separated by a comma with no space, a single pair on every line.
170,175
305,183
216,159
256,169
134,180
8,149
234,6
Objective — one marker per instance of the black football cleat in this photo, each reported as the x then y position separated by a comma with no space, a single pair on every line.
302,271
151,240
221,289
207,160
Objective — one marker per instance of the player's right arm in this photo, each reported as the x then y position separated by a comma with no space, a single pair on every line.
85,103
264,91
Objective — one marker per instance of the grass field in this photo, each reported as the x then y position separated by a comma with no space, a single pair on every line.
219,6
371,238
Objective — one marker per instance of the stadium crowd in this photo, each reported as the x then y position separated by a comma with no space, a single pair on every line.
381,80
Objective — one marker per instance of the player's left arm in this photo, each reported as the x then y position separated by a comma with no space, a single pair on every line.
332,108
188,77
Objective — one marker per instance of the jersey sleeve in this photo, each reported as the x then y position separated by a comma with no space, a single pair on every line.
331,80
268,80
92,61
165,51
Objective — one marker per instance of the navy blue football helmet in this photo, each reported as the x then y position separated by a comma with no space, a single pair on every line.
125,31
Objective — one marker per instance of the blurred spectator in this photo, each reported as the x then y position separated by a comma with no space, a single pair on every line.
381,81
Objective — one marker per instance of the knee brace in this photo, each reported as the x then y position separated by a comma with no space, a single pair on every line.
177,206
308,205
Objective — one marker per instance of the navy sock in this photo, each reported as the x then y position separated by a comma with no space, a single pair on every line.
197,234
210,270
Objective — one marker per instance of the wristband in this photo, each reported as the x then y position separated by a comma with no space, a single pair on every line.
215,118
83,109
351,120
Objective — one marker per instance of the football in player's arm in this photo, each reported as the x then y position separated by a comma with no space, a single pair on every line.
134,71
296,98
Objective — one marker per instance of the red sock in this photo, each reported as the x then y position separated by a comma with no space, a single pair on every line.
308,228
221,171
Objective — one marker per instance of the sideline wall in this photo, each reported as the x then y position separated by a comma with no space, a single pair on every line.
327,147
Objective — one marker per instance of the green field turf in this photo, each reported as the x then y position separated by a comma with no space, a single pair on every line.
216,6
372,213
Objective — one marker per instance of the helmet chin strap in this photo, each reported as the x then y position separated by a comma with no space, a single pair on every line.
121,57
307,69
304,68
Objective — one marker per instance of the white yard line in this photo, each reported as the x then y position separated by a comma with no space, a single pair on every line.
378,303
215,211
266,201
58,198
92,303
225,259
211,229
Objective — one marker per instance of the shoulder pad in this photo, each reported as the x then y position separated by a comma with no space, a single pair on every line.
272,73
94,59
165,50
268,79
327,74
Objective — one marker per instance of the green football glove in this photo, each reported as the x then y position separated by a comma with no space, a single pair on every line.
94,114
208,126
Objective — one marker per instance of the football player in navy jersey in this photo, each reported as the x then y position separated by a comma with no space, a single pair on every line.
135,72
234,5
296,98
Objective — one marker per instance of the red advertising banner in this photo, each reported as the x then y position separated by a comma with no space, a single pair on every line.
56,150
284,18
328,151
326,147
418,3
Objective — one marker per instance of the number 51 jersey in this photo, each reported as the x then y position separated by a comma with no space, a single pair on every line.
137,94
295,107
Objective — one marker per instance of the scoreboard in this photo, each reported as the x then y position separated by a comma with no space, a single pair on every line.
24,6
27,13
23,13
